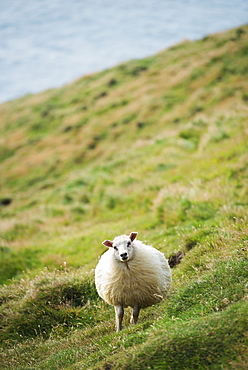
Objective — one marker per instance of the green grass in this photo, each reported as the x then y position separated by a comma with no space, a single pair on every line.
158,146
200,344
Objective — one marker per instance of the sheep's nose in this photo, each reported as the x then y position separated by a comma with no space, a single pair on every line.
124,256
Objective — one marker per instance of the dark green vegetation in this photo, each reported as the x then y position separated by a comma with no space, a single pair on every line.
158,146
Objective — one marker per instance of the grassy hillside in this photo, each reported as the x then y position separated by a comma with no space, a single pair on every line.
158,146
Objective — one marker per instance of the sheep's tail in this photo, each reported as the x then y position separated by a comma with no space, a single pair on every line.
175,259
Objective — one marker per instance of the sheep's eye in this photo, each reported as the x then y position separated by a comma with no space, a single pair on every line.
128,244
115,248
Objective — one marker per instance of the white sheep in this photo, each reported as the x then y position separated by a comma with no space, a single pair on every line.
131,274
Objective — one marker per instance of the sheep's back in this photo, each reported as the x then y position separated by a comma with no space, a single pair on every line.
144,280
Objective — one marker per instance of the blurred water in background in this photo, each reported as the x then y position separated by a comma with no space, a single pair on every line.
47,43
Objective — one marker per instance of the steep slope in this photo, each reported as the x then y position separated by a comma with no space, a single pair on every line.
158,146
110,147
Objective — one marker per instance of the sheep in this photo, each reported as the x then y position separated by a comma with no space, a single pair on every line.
131,274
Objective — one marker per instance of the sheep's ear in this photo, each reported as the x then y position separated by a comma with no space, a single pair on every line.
108,243
133,235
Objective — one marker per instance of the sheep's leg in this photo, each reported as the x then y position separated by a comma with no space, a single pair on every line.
135,314
119,313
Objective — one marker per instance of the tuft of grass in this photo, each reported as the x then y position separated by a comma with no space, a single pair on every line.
52,302
213,291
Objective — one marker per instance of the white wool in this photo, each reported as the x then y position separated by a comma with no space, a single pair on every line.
143,280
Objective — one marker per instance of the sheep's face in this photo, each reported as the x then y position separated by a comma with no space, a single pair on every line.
123,246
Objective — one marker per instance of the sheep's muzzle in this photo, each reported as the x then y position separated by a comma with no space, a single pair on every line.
124,256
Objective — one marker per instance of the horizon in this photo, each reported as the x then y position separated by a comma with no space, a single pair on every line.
57,45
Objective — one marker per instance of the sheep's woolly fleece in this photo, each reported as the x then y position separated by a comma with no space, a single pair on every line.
144,280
